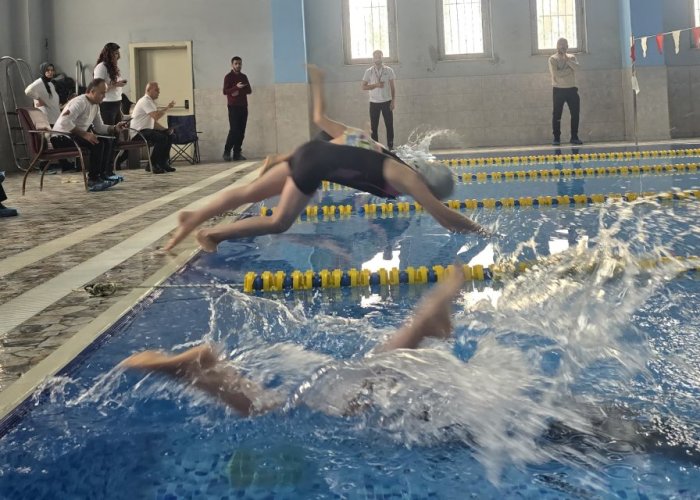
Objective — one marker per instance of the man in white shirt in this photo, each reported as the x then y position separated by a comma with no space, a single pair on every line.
379,81
82,120
145,118
563,67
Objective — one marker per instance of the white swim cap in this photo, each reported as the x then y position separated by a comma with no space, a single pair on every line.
436,175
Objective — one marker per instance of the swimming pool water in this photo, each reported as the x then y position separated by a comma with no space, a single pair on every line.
97,433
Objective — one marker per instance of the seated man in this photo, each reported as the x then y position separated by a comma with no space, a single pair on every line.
81,118
145,119
5,211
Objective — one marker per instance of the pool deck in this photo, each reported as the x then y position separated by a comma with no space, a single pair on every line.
65,238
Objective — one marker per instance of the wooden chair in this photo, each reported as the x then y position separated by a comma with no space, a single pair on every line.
136,142
36,130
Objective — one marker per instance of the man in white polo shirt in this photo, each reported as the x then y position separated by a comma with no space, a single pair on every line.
145,118
82,120
379,81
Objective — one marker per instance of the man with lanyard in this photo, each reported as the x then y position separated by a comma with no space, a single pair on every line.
379,81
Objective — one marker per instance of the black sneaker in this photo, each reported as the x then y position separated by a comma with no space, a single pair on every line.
158,170
98,185
576,141
239,157
556,142
227,157
168,168
8,212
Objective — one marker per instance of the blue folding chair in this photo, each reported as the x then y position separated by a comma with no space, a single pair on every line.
185,135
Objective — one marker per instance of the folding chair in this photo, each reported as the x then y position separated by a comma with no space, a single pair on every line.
36,129
185,135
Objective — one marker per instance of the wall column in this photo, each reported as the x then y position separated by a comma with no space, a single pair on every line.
289,58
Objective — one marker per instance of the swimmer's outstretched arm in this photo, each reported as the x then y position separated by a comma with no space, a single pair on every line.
407,181
200,368
432,316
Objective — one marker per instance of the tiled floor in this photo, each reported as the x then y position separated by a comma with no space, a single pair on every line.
63,227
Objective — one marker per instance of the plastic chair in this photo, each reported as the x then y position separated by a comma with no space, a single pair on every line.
184,135
36,130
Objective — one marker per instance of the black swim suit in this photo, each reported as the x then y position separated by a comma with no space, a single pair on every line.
358,168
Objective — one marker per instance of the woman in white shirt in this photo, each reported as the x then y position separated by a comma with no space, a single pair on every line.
107,69
44,93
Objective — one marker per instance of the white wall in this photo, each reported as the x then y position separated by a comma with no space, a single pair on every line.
503,100
218,29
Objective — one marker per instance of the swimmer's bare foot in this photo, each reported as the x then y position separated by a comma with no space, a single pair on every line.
186,224
206,241
201,357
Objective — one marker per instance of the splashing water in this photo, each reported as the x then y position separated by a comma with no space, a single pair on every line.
418,144
555,342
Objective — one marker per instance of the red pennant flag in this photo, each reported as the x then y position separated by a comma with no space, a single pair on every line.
696,37
633,53
660,43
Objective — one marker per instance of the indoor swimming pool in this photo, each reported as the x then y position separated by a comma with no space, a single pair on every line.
575,375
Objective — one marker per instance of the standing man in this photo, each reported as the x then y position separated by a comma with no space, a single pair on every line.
563,68
236,90
145,119
379,81
81,119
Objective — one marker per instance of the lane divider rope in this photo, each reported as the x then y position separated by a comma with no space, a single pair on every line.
542,158
466,178
328,212
278,281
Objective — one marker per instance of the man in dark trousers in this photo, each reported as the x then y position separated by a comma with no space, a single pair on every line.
5,211
236,90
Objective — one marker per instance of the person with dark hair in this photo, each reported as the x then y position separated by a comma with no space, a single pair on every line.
107,69
5,211
44,93
236,89
81,118
145,120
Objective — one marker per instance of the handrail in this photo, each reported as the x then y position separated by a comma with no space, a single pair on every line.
79,76
10,105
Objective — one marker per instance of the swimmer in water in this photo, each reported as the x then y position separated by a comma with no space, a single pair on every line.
200,366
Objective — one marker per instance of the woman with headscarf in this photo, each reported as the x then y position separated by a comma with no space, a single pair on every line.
108,69
44,93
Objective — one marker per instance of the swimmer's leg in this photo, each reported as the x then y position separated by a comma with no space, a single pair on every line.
331,127
432,316
272,160
292,202
200,367
263,187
